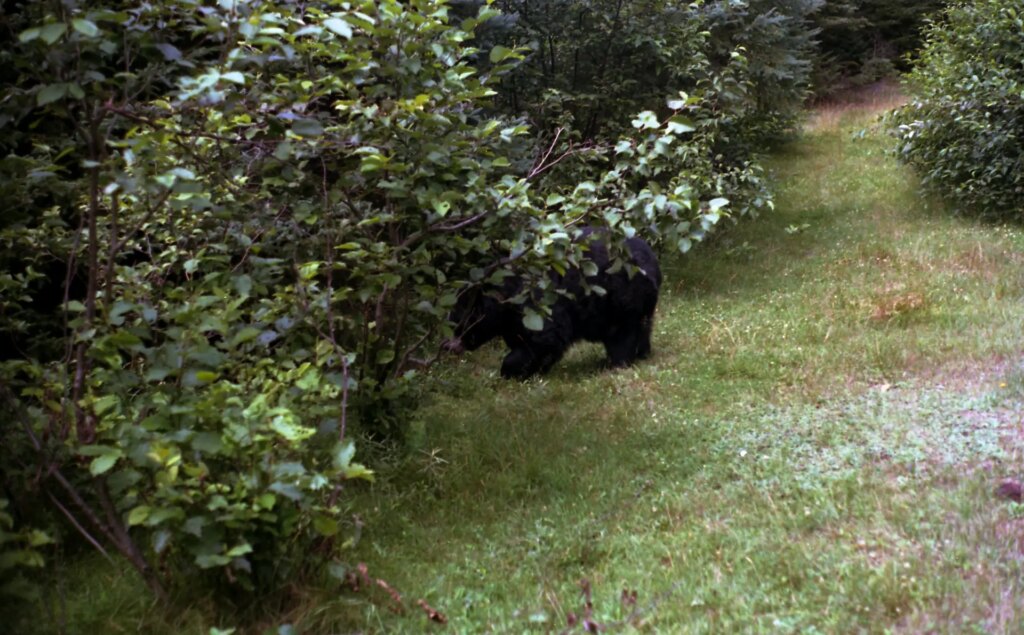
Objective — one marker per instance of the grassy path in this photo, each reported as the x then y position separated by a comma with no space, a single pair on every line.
835,390
813,448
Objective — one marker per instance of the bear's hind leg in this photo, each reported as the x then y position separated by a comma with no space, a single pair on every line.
622,348
643,345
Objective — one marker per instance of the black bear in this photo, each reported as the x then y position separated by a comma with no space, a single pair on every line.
621,318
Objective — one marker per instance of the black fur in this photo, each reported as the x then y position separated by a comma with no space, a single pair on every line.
621,319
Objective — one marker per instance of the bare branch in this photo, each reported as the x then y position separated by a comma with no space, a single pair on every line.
85,534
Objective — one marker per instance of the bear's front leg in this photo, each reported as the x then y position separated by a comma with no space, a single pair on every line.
520,363
523,362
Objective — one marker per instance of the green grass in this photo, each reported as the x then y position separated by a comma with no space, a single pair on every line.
835,391
812,448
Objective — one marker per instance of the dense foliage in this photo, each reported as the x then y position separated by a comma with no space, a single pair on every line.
593,64
862,41
778,42
964,130
231,235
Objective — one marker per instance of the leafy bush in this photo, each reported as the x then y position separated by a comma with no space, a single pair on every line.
19,550
233,235
964,130
778,38
862,41
591,66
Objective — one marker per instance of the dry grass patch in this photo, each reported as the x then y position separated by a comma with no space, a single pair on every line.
834,112
896,304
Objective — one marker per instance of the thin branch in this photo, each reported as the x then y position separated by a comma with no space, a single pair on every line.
142,222
83,421
72,263
85,534
76,498
586,147
551,148
441,228
421,363
124,541
343,422
115,201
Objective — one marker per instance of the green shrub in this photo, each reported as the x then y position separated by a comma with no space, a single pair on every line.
777,40
964,129
232,238
19,550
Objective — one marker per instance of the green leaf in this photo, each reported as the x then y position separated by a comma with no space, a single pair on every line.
343,454
52,32
243,285
158,516
357,470
287,428
337,571
169,51
441,208
207,443
646,120
339,26
29,34
116,315
209,561
234,77
51,93
500,53
194,525
138,515
266,501
716,204
308,128
679,124
101,464
38,538
533,320
161,539
326,526
283,151
85,27
244,335
103,405
240,550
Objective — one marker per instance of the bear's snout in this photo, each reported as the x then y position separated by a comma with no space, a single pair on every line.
454,345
